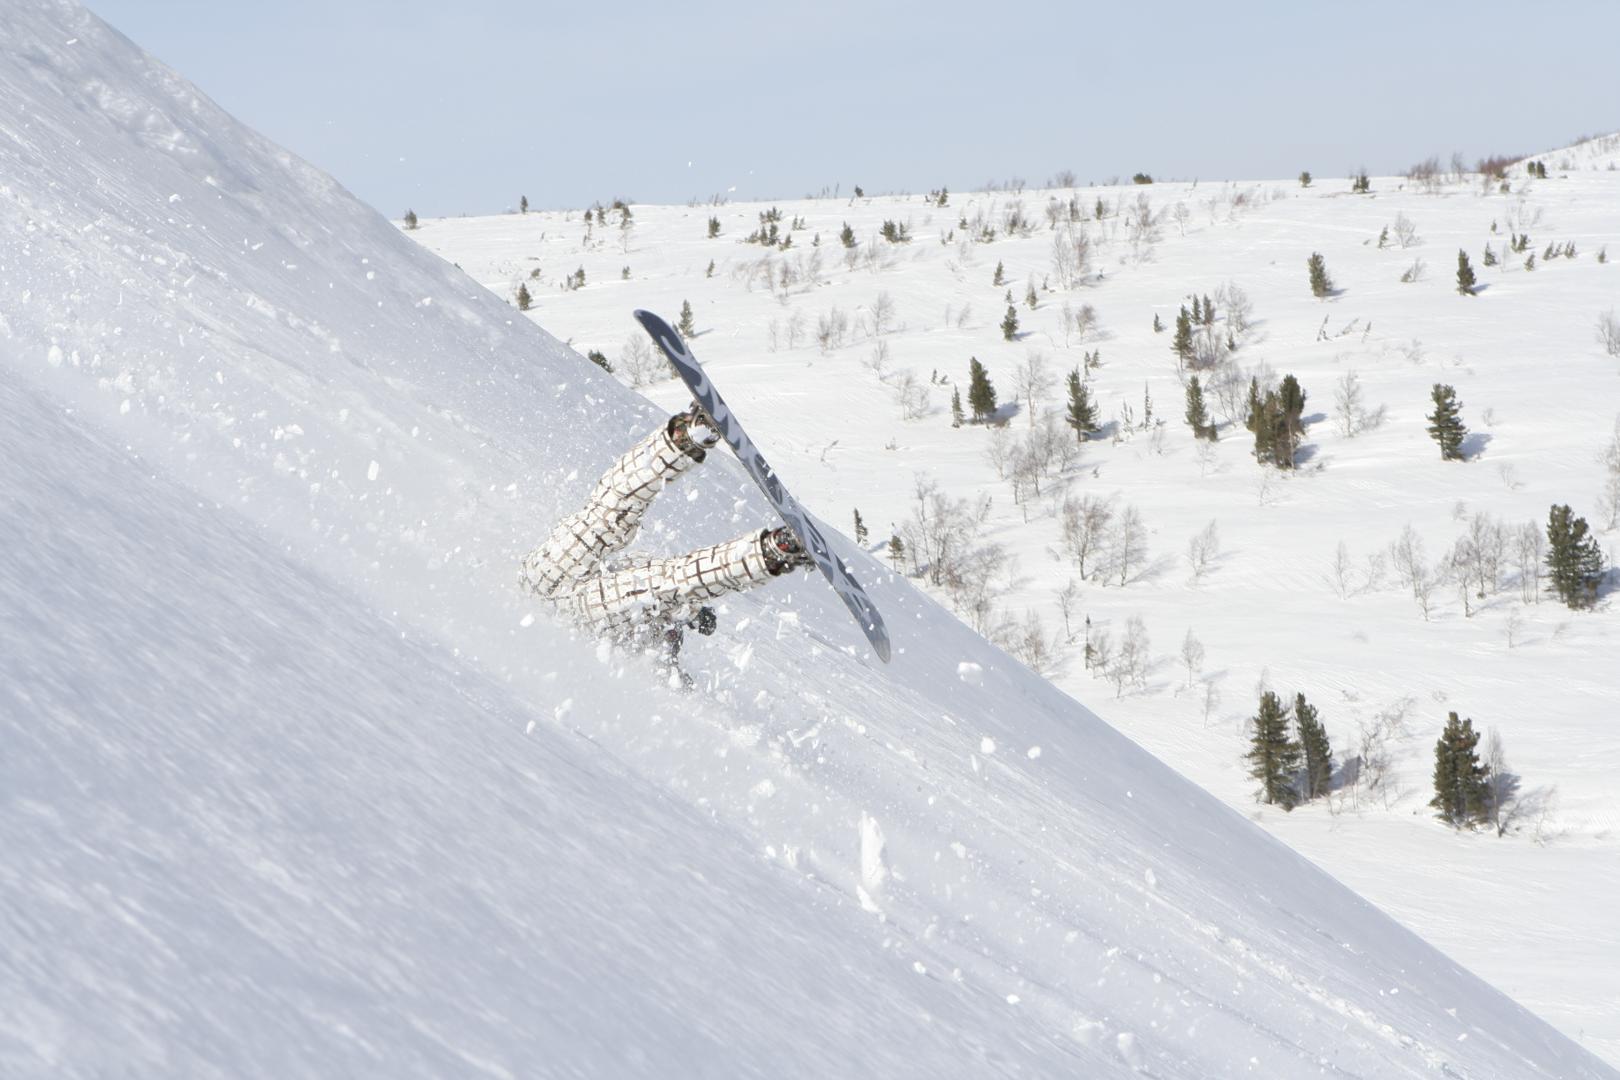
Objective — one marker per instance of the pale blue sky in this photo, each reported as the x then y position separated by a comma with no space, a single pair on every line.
462,107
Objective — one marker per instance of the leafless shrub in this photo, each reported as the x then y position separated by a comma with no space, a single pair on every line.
1202,551
1032,381
1609,496
1084,522
1405,230
1339,571
1192,656
1414,273
1071,255
1528,550
640,366
911,395
1608,332
1407,555
1129,665
831,330
1128,545
882,314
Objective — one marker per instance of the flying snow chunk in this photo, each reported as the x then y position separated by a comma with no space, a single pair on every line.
987,746
371,472
1033,752
970,673
527,621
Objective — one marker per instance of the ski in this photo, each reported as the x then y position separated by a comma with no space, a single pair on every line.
794,515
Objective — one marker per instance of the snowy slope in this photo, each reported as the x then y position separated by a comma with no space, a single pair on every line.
295,784
1539,394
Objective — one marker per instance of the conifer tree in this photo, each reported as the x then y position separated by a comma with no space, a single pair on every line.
1009,324
1030,296
1197,414
1489,258
860,529
1574,560
1313,742
1000,278
714,227
1273,756
1197,309
523,297
410,219
1209,311
1158,325
846,236
897,550
523,204
981,394
1461,783
1305,179
956,407
1182,344
1260,421
1445,423
1082,414
1291,399
1321,284
1465,274
686,326
599,358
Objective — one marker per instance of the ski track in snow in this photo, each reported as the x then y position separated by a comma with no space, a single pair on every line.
294,785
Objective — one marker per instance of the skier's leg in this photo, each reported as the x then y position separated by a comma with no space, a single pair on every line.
610,519
661,586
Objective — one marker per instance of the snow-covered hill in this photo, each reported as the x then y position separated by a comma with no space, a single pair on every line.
1539,393
295,783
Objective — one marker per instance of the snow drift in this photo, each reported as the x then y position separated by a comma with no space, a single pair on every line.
295,782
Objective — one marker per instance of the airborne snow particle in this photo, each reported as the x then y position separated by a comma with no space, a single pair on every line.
371,472
987,746
1033,752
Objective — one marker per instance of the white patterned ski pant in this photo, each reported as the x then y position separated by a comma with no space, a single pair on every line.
635,599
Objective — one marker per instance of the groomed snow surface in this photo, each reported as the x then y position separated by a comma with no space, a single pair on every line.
296,783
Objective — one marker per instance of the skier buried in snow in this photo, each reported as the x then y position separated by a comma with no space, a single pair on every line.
585,572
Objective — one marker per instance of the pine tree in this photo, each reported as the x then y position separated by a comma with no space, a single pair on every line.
1321,284
1445,423
599,358
686,326
1030,297
1182,344
956,407
981,394
714,227
846,236
1574,560
523,204
1197,414
1465,274
1000,278
1260,421
709,273
1082,415
897,550
860,529
1305,179
1273,756
1313,742
1197,309
1009,325
1489,258
1158,325
1461,783
1209,311
523,297
410,219
1291,399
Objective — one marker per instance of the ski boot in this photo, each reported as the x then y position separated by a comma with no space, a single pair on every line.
783,552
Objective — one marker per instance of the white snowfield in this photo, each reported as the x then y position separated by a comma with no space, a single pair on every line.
293,782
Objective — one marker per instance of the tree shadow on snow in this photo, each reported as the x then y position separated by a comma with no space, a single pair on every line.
1474,445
